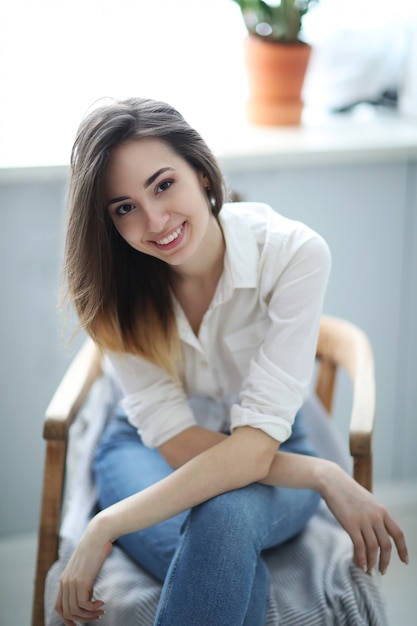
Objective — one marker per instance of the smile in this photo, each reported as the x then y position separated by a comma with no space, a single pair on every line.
171,237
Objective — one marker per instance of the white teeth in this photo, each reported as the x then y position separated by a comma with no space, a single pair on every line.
171,237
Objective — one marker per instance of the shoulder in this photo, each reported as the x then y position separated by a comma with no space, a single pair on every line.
275,234
267,246
256,215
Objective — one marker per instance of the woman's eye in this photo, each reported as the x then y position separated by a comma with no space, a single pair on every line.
123,209
166,184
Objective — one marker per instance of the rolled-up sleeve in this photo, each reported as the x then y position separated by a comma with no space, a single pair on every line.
155,404
280,373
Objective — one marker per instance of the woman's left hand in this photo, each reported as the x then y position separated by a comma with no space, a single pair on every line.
74,601
368,523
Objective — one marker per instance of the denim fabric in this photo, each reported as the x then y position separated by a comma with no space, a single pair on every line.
209,558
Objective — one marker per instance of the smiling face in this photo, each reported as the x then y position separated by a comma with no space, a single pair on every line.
158,202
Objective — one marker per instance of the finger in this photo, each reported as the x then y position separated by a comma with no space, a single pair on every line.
92,605
73,603
359,551
371,546
385,547
65,610
86,603
91,610
58,602
59,608
398,536
81,608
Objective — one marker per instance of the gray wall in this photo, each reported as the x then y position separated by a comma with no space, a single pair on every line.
367,213
33,354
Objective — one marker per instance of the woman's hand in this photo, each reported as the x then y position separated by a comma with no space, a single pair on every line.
74,602
366,521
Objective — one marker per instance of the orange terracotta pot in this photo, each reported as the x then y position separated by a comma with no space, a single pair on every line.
275,76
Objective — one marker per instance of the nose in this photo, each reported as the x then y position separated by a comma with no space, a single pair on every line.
156,218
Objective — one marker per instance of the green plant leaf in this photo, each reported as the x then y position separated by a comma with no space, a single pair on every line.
277,22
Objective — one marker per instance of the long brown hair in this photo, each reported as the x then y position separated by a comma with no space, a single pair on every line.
123,297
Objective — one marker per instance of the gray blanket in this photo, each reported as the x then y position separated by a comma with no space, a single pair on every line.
313,579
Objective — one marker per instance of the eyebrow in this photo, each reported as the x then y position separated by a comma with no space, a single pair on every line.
148,182
152,178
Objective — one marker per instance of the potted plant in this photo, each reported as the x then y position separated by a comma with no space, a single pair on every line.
276,59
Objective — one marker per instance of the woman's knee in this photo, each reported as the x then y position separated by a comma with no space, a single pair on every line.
256,516
231,515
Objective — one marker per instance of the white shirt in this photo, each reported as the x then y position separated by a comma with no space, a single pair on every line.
253,359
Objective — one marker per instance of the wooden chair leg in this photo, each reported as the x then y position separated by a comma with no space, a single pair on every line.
49,523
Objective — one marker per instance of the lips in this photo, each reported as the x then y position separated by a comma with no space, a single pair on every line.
171,237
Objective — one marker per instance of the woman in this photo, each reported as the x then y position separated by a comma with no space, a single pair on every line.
209,314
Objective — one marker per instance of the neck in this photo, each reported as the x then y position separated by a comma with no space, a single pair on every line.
196,284
206,266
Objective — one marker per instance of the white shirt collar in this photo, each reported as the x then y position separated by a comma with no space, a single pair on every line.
239,272
241,254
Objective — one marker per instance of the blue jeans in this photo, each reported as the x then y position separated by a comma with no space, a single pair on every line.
209,558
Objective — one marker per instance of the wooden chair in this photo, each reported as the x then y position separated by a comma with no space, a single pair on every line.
340,345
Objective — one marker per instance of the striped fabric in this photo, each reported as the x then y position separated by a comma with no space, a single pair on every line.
313,579
313,583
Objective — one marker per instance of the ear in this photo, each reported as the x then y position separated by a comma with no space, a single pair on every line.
204,181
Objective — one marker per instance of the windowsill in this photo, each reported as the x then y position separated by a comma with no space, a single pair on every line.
364,136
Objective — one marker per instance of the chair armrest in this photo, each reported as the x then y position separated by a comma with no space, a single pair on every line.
63,408
344,344
72,391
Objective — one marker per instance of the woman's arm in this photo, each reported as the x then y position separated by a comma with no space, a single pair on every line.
238,460
229,465
366,521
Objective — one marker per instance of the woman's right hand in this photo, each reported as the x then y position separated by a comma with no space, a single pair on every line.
74,601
